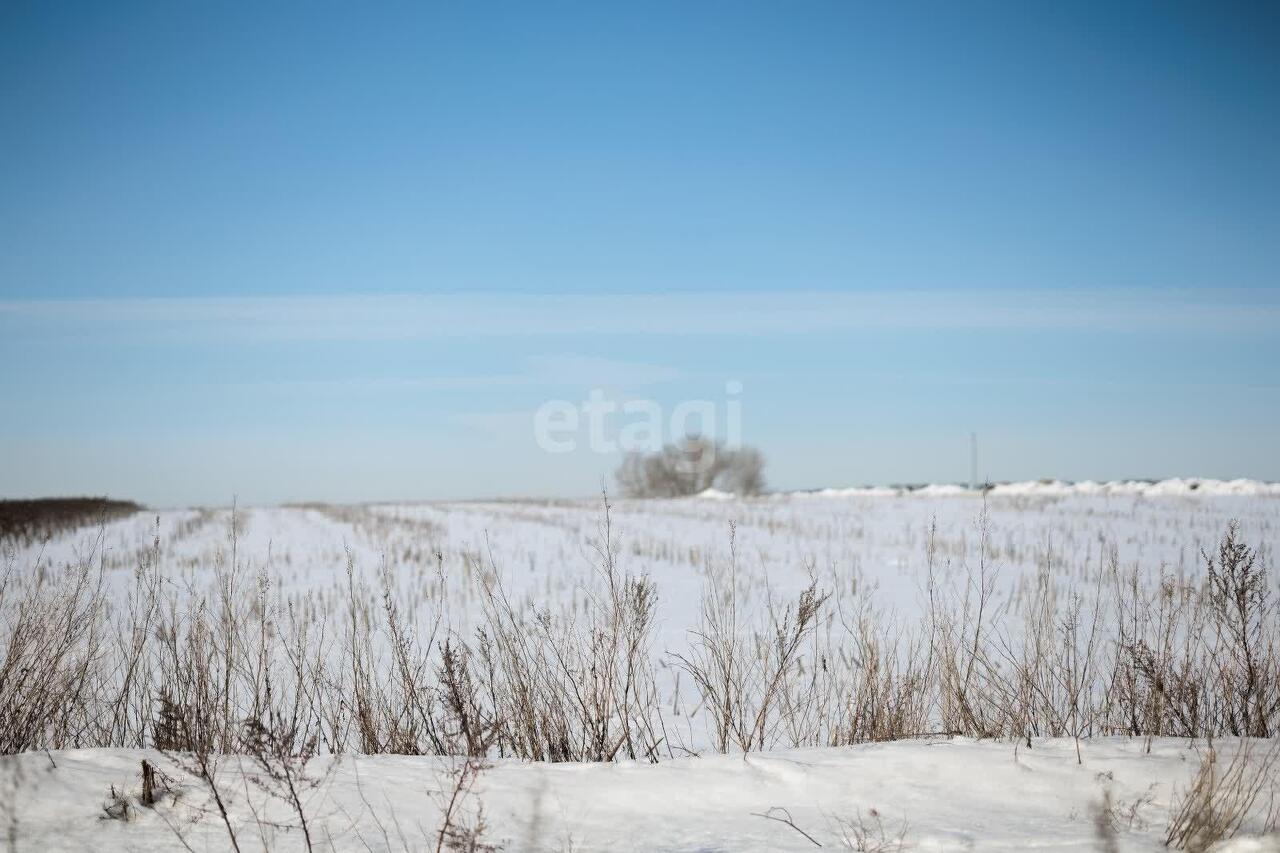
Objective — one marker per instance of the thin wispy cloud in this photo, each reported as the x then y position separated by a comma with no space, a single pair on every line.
537,372
775,313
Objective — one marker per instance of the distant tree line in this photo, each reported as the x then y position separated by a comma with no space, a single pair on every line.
38,519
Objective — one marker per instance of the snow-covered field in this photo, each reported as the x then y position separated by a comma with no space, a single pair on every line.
869,547
931,796
867,542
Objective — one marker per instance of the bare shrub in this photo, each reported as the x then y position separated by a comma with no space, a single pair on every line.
273,743
1112,816
870,834
1220,798
205,768
887,694
1202,662
745,679
1161,663
972,694
51,664
1240,598
462,822
565,687
388,676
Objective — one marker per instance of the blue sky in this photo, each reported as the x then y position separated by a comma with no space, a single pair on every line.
344,252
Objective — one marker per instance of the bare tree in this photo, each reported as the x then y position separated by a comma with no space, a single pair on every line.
692,466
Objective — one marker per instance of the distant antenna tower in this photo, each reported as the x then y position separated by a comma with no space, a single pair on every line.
973,460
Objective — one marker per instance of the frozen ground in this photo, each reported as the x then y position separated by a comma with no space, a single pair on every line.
934,795
867,546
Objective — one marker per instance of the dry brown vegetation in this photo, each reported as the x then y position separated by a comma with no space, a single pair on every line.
1222,795
212,670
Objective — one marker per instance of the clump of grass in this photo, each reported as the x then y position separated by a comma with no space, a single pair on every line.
52,667
746,679
572,687
1221,797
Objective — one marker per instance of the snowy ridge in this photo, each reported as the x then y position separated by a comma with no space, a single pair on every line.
1177,486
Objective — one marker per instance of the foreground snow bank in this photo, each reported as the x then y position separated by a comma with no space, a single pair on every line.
937,795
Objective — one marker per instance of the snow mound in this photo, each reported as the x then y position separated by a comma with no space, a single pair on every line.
714,494
854,492
943,490
940,794
1175,487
